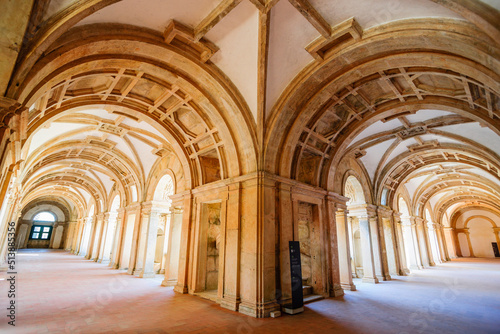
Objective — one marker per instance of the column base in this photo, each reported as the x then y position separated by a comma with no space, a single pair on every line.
387,277
416,267
369,280
181,289
258,311
337,291
169,282
147,275
136,272
348,286
230,302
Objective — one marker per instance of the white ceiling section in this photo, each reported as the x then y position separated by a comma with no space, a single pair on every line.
237,36
370,13
153,14
289,35
373,155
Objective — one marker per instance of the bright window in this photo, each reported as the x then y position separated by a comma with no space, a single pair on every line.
44,216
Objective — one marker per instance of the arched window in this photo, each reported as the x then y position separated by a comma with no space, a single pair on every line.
354,190
164,189
44,216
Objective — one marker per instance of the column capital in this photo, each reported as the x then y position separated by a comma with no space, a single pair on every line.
384,211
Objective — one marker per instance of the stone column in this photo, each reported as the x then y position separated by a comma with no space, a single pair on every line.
102,243
381,214
410,240
432,230
118,239
91,241
85,243
441,244
174,226
135,242
344,253
182,281
231,288
376,245
451,233
151,232
421,241
369,274
403,261
98,235
427,239
467,234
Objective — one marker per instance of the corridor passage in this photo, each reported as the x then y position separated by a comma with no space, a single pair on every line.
61,293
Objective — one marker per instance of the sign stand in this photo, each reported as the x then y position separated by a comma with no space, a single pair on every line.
297,305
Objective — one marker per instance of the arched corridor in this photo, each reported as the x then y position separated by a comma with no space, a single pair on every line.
258,153
459,296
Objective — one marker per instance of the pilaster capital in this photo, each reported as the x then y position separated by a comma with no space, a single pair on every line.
339,200
384,211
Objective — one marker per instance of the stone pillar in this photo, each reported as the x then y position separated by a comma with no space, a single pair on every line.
427,239
403,261
411,242
118,238
381,213
451,251
91,241
174,227
102,243
108,238
439,237
376,245
85,243
132,265
467,234
432,230
231,288
182,281
421,242
98,235
150,232
343,259
369,274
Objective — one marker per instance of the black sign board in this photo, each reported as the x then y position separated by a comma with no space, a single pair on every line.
296,271
495,249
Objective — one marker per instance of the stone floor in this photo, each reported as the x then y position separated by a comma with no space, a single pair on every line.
62,293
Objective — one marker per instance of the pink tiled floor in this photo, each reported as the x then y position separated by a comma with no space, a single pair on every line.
62,293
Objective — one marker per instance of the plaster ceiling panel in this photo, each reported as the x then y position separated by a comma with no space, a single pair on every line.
425,114
289,34
370,13
56,6
401,148
434,199
153,14
492,3
486,175
55,129
376,128
237,36
373,156
147,159
474,131
108,183
413,184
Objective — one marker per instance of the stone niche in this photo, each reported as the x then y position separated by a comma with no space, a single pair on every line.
213,239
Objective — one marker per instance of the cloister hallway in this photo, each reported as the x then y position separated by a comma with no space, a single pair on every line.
61,293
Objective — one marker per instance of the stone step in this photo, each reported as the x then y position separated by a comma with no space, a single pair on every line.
312,298
307,290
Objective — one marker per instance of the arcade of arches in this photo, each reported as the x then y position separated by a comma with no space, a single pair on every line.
194,139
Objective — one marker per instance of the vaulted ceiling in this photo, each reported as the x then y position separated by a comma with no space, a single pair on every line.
214,89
